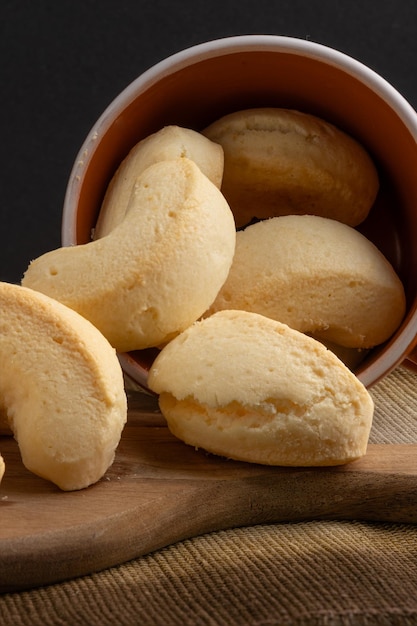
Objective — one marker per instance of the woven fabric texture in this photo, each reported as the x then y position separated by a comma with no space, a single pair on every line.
315,573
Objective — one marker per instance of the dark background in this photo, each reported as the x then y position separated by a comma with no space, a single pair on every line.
63,61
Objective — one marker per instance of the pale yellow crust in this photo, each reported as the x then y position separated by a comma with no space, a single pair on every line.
158,271
62,387
280,162
243,386
317,275
2,468
169,143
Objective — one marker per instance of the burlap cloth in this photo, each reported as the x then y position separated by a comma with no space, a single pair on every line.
311,573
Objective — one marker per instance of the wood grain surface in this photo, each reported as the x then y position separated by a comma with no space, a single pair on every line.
160,491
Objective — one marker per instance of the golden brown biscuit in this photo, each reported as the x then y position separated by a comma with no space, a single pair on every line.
281,162
155,273
246,387
62,385
171,142
317,275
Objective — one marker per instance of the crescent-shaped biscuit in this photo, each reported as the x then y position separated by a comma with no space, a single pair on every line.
317,275
171,142
155,273
281,162
243,386
63,388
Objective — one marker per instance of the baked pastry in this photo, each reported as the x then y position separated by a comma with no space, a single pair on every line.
63,388
317,275
170,142
281,162
249,388
158,271
2,468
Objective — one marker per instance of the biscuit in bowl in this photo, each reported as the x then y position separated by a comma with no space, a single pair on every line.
246,387
62,386
158,270
280,162
317,275
171,142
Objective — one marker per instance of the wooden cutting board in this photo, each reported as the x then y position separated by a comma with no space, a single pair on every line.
160,491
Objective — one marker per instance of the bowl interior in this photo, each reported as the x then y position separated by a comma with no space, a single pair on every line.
194,95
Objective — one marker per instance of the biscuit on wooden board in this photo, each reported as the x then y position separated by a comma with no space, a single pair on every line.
62,386
246,387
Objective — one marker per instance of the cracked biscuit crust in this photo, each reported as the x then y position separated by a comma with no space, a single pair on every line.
243,386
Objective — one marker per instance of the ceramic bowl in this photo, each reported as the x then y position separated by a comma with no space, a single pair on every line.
197,86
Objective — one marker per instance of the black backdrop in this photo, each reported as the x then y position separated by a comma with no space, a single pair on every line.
63,61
